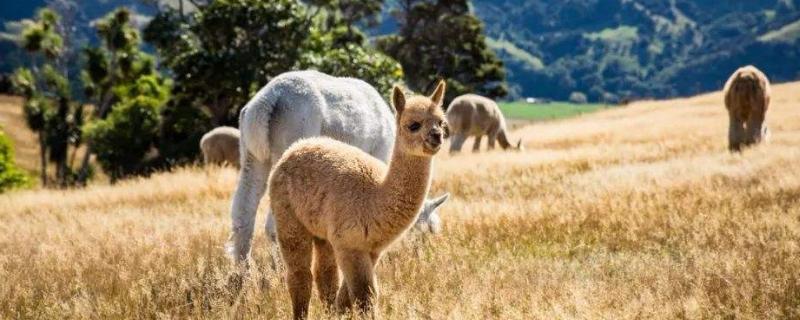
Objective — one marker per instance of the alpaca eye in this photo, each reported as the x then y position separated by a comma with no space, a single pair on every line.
414,126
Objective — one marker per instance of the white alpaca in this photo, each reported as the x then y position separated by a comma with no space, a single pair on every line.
297,105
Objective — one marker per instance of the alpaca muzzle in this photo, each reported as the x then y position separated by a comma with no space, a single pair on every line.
434,140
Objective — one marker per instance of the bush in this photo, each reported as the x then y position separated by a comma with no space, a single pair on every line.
10,176
578,97
123,139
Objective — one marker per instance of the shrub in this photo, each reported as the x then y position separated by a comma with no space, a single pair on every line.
10,176
123,139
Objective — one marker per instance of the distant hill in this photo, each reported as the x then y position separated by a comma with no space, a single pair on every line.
86,11
640,48
607,49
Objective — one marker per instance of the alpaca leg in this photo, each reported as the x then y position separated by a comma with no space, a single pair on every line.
343,300
477,145
295,243
326,273
359,273
458,141
252,185
492,140
736,134
755,126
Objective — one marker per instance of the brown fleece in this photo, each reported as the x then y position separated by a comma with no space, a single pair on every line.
747,95
477,116
348,206
221,146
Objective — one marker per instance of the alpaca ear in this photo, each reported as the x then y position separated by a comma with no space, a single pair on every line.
398,99
438,93
440,200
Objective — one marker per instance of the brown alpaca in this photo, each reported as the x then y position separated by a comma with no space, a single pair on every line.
747,100
221,146
474,115
349,206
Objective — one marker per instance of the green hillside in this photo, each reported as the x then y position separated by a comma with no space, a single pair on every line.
616,49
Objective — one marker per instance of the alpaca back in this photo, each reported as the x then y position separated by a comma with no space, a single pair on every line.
324,177
471,114
221,145
304,104
747,93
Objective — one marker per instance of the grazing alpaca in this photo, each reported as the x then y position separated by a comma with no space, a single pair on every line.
296,105
474,115
221,146
747,95
348,206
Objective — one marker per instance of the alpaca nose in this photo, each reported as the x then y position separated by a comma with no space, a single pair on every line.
435,137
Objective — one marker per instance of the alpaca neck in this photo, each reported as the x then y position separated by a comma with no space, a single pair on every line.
502,138
404,189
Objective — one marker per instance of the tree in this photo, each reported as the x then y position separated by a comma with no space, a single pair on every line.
183,124
128,93
349,13
332,48
442,39
49,109
231,48
228,49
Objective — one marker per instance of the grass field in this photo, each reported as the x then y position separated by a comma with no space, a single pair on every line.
546,111
627,213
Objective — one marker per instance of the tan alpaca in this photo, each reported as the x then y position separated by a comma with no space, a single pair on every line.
349,206
474,115
220,146
747,95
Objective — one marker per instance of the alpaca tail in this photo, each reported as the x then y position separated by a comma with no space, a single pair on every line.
254,124
502,138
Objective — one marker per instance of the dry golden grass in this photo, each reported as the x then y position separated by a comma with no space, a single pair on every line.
12,122
637,212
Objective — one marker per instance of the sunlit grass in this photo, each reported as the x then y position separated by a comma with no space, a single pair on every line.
628,213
